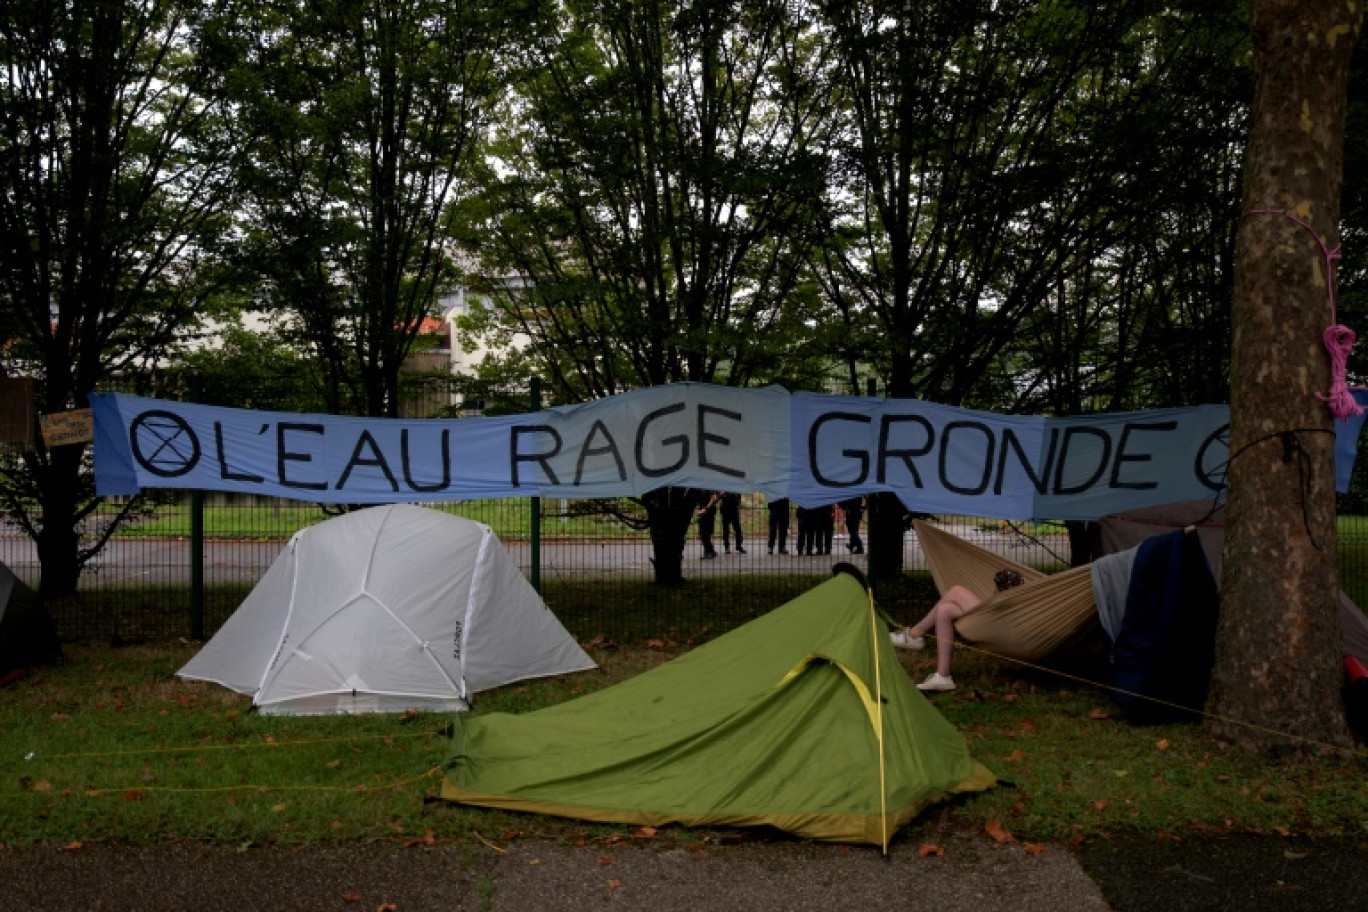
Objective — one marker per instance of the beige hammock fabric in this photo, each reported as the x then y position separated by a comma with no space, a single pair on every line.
1028,622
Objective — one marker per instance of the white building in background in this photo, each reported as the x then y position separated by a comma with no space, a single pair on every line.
459,303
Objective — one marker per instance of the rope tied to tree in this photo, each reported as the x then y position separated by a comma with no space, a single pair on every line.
1338,339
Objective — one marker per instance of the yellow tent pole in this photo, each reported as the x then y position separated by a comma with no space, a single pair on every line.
878,720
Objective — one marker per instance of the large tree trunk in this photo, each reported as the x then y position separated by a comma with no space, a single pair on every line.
884,546
669,511
59,538
1278,644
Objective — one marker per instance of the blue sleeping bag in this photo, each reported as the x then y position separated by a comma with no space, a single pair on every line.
1164,651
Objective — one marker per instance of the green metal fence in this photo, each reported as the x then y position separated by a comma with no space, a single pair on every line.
595,572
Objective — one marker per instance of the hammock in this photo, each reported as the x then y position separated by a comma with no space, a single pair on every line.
1028,622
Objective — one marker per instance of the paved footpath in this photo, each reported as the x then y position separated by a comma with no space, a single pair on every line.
1249,874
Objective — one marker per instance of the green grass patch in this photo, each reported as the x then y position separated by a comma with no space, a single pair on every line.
110,746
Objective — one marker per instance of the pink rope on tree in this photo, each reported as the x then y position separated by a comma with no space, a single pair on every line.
1339,340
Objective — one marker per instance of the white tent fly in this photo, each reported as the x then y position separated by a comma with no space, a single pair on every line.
383,610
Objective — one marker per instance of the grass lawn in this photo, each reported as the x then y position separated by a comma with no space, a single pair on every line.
110,746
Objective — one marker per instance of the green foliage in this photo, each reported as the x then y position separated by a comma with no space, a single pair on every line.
998,230
657,188
113,201
363,128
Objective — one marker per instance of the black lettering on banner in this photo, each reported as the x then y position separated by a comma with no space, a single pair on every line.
1213,476
679,440
886,452
1123,457
376,459
284,455
176,450
1010,441
704,438
987,476
408,463
860,456
541,459
224,472
587,450
1069,434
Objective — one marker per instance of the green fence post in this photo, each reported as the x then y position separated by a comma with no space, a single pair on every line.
535,405
196,544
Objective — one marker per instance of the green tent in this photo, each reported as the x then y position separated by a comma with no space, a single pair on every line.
802,719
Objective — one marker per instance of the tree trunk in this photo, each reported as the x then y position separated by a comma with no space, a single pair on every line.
1080,542
885,544
59,540
1278,643
669,512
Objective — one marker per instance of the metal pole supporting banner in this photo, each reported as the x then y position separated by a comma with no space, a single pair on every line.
196,608
535,406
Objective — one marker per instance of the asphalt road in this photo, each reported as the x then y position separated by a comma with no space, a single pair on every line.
967,874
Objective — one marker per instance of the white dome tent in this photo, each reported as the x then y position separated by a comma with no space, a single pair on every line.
383,610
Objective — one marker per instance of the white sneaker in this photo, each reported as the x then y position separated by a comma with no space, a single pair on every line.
937,682
904,640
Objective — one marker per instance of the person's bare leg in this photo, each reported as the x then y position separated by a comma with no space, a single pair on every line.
958,599
946,613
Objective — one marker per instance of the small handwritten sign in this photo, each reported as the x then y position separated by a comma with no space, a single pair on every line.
67,427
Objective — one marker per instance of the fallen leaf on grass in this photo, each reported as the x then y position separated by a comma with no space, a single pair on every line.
72,846
614,884
1028,725
351,897
428,838
1162,744
999,834
1016,755
606,861
927,849
644,832
1034,848
1099,714
1100,804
